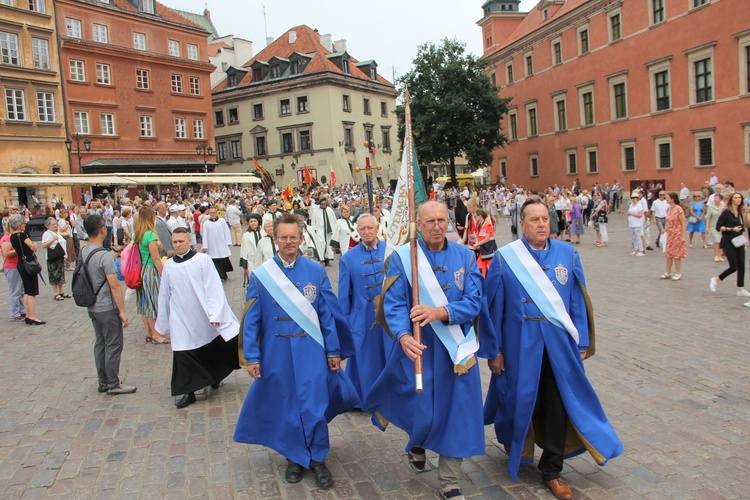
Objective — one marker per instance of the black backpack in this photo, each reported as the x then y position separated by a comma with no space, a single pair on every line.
83,291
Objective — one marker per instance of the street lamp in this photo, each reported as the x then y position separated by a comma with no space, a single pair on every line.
77,139
206,150
370,145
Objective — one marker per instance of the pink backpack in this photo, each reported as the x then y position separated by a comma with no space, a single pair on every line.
130,266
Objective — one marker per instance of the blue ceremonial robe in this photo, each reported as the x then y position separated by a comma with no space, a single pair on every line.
447,416
521,333
288,408
361,275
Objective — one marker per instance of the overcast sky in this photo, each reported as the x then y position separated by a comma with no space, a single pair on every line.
388,31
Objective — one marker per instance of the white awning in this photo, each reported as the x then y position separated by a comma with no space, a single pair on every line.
120,179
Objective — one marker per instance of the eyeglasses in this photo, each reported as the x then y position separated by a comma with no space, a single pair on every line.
662,195
432,223
284,239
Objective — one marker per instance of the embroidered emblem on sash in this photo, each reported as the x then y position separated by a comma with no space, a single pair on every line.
310,292
561,274
458,278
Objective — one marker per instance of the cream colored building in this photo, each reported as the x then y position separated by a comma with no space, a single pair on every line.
304,101
32,125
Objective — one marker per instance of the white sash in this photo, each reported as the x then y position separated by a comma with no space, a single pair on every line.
460,347
290,299
538,285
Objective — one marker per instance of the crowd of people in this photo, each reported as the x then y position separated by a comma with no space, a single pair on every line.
317,354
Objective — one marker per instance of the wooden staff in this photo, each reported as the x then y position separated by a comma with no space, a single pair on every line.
409,150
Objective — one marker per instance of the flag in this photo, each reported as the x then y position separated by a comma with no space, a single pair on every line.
398,228
265,178
309,179
332,179
288,192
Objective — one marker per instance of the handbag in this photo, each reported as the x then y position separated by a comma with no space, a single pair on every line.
739,241
692,219
32,267
487,251
55,253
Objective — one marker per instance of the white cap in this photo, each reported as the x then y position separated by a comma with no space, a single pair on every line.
174,208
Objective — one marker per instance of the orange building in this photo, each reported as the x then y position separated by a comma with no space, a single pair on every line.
137,86
606,90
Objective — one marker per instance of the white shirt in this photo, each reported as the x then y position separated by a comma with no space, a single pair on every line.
633,220
684,193
232,215
216,238
659,208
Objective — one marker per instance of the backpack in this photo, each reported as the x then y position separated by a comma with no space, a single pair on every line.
83,291
130,266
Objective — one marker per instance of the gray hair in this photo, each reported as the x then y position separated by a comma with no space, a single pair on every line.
15,221
367,216
49,221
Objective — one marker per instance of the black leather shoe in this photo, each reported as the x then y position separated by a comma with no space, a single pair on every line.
294,472
215,386
185,400
323,477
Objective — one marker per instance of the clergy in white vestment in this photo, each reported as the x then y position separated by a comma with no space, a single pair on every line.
216,242
194,312
249,247
266,247
323,221
345,234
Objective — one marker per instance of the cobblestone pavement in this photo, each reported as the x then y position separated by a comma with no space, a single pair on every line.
671,371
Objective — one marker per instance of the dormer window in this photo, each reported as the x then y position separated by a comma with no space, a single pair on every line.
294,68
373,73
275,71
147,6
232,80
257,74
345,65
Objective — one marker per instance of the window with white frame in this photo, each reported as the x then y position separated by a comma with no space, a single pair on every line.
618,98
583,39
180,128
15,105
346,102
38,6
101,33
704,147
192,51
305,139
509,73
139,41
532,128
8,2
236,146
73,28
147,6
534,165
9,48
529,58
744,48
81,122
287,142
40,52
571,160
174,48
198,132
660,84
103,74
177,84
592,159
614,25
142,79
663,152
627,155
561,114
258,111
45,105
221,150
107,123
303,105
195,85
557,57
147,126
701,73
234,115
261,148
285,107
658,12
586,105
77,70
698,3
512,125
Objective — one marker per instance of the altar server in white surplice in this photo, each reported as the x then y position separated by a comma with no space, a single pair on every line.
194,312
216,242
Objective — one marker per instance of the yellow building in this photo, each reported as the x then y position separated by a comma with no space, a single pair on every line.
304,101
32,130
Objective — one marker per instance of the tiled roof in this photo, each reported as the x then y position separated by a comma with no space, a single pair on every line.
202,20
307,42
535,20
164,12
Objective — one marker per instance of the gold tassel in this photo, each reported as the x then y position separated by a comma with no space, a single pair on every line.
461,369
382,420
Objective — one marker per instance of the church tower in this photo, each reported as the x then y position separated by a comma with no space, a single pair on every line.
501,18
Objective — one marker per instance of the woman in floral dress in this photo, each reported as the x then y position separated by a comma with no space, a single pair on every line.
676,246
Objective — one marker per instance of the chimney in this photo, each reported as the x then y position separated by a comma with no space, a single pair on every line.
340,45
292,36
269,41
326,41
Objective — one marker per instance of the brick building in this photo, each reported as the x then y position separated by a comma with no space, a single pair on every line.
606,90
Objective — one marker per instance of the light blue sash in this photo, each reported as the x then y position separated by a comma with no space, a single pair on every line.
290,299
538,286
460,348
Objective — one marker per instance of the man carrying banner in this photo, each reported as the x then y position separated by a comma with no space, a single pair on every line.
446,417
540,334
293,338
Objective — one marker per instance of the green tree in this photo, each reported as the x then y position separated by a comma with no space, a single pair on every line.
455,107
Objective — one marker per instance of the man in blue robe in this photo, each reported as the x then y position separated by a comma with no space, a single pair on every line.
293,347
446,417
539,391
360,280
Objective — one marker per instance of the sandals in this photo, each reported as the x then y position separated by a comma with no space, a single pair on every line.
165,340
677,277
665,276
59,297
67,295
417,459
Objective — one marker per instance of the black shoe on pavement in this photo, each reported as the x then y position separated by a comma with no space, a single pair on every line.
417,459
186,400
649,247
323,477
294,472
215,386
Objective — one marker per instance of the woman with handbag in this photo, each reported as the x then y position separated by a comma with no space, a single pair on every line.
733,240
63,229
55,245
697,219
28,266
600,219
145,238
486,244
675,246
